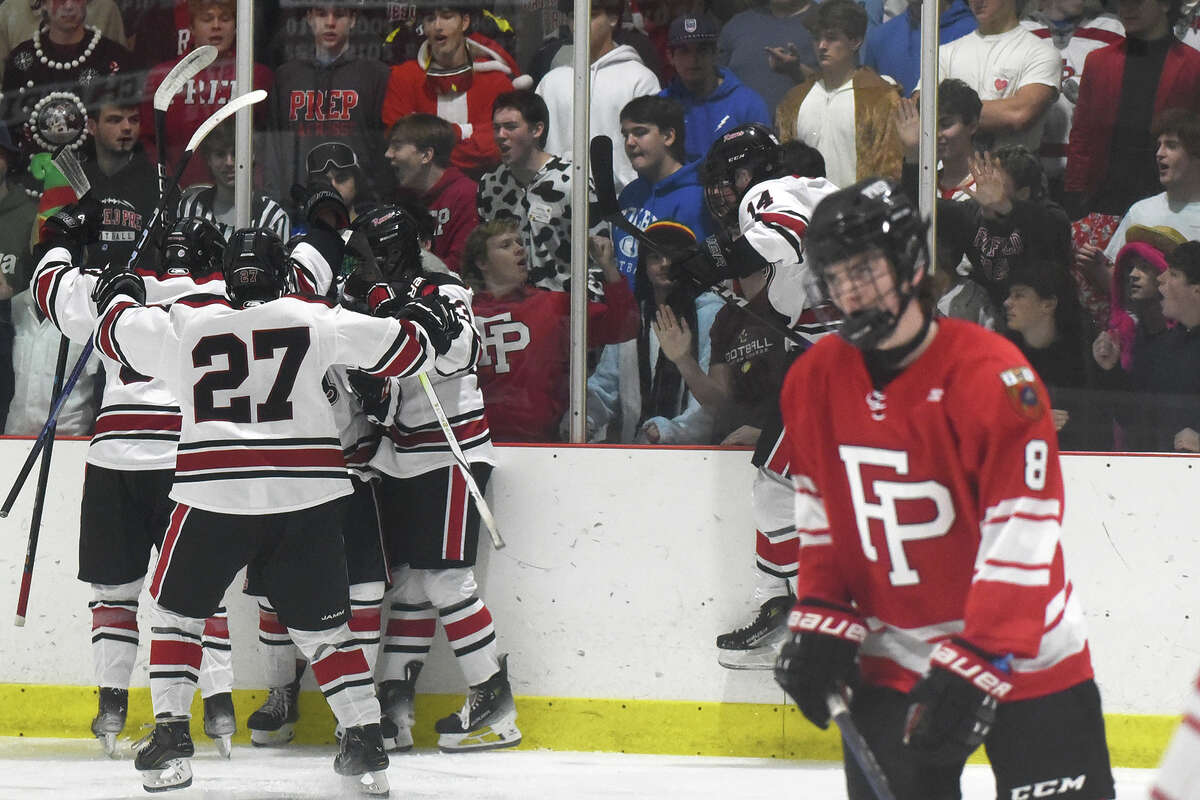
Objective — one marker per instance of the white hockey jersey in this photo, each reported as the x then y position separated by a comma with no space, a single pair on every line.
774,217
258,434
359,436
1100,31
137,427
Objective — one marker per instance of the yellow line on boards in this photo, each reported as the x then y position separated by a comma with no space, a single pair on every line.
664,727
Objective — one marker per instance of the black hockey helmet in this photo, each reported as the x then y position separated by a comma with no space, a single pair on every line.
750,147
871,215
194,246
394,237
256,267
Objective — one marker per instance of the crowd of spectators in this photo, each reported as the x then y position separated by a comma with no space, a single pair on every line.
1068,140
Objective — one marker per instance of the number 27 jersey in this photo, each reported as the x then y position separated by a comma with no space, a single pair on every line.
935,505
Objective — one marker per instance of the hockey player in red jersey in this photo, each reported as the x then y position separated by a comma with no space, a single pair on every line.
929,502
129,466
260,475
430,520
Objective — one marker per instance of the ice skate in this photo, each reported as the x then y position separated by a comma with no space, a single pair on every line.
110,719
163,759
488,719
756,645
396,703
363,759
219,722
275,722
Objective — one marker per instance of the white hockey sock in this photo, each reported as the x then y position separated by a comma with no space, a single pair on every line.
411,624
114,632
366,602
776,543
280,654
175,655
340,668
466,619
216,668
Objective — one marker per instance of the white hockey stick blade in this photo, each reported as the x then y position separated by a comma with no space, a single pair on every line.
68,164
234,105
181,73
485,513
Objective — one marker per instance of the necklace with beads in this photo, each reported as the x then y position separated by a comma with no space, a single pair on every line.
65,65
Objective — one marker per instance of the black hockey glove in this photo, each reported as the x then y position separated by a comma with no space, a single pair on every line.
118,282
74,227
820,655
365,272
374,394
436,316
704,266
954,705
321,205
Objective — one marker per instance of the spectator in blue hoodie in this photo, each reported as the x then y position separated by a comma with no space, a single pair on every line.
713,98
894,48
667,186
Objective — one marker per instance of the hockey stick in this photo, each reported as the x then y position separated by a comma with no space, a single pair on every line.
607,208
188,67
858,747
39,501
464,467
206,127
68,164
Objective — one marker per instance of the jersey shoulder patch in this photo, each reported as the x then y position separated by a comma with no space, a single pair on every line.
1020,385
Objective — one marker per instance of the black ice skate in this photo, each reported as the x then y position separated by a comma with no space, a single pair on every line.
488,719
110,719
756,645
363,758
275,723
219,722
396,703
163,759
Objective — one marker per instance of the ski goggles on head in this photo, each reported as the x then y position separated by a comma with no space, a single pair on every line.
330,155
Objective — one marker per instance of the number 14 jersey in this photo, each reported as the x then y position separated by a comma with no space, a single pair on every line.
935,504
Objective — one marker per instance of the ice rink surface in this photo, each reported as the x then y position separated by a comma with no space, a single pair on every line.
74,769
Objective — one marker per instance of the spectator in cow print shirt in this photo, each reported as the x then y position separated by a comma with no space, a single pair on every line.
530,186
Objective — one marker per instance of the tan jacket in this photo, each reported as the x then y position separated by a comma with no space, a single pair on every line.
877,145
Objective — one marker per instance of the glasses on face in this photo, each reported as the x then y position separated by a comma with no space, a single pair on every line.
330,155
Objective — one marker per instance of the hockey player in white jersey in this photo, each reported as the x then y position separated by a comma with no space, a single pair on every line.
764,207
430,521
129,466
260,474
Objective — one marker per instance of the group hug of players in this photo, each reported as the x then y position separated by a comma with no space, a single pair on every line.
280,428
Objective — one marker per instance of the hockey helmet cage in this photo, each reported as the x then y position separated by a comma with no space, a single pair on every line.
256,267
394,237
871,215
195,247
750,147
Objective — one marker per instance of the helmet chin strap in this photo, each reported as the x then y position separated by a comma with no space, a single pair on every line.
884,365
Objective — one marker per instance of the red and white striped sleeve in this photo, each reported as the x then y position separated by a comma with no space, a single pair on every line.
381,346
63,294
1179,773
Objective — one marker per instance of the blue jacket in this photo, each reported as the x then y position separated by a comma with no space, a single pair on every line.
731,104
894,48
678,197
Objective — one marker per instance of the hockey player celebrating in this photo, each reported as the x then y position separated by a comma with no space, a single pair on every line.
260,475
431,522
929,503
130,464
764,206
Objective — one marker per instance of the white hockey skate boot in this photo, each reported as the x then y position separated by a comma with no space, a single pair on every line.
275,722
110,718
488,719
396,702
756,645
363,759
163,759
220,723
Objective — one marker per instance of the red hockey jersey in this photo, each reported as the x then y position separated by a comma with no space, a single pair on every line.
935,505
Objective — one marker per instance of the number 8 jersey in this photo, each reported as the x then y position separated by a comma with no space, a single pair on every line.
935,504
258,435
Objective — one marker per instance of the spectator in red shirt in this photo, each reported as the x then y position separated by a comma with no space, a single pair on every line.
457,78
526,331
212,22
419,147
